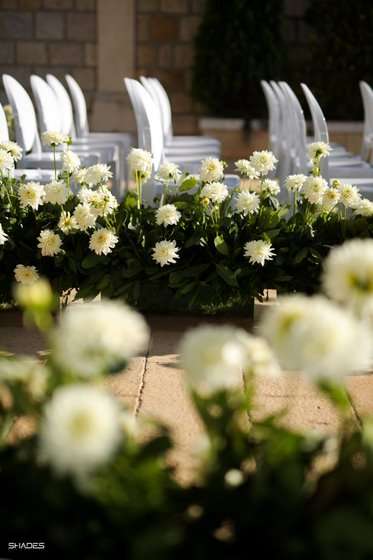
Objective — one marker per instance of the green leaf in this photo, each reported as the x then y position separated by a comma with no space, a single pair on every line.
221,245
188,184
301,255
92,260
227,275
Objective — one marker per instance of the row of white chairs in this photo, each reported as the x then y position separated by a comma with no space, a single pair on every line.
56,111
288,138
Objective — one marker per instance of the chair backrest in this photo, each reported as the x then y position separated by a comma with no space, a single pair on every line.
80,106
298,129
26,127
4,132
149,128
274,116
46,105
165,108
65,105
320,127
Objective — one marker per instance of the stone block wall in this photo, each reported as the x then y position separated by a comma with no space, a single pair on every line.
41,36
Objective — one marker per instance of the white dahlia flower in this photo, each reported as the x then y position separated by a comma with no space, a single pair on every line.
84,217
245,169
167,215
258,252
318,150
26,274
215,192
330,199
49,243
263,162
270,186
140,162
70,161
12,148
212,170
168,172
56,192
80,430
113,333
102,241
350,196
314,189
364,208
31,194
102,202
97,174
54,138
248,203
165,252
315,336
294,183
67,223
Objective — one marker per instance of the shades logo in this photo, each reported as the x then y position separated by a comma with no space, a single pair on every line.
26,546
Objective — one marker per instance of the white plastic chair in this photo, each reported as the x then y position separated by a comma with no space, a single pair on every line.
367,98
274,117
197,148
184,141
39,175
81,118
26,128
50,119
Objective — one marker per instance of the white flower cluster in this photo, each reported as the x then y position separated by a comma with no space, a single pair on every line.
294,183
168,172
49,243
94,175
56,193
26,275
245,169
317,151
70,162
102,241
31,194
247,203
101,201
13,149
263,162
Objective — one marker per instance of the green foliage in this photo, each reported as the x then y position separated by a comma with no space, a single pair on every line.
237,45
341,45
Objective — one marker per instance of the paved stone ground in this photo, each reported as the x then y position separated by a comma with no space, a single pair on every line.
153,385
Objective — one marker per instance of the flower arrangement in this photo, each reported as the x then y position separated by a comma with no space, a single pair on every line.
201,247
101,480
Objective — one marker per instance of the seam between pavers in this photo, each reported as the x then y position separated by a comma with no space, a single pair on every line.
354,410
141,389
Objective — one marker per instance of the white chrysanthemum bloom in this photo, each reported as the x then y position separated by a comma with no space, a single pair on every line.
364,208
348,272
168,172
102,241
80,175
70,161
330,199
212,170
258,252
113,333
31,194
314,189
54,138
350,196
49,243
102,202
318,150
248,203
97,174
6,161
84,217
80,430
270,186
67,222
85,195
13,149
294,183
165,252
317,337
3,236
245,169
26,274
140,162
167,215
56,192
261,360
215,192
214,358
263,162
